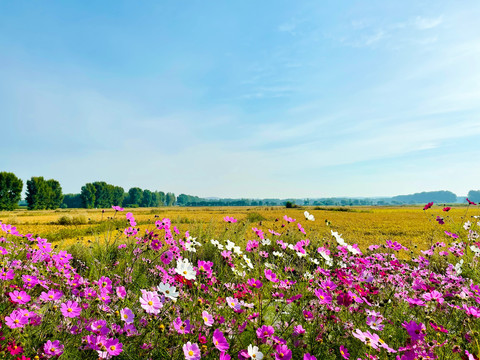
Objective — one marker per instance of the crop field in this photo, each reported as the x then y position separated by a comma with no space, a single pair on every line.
241,283
410,226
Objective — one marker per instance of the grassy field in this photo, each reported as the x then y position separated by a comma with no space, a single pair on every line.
362,225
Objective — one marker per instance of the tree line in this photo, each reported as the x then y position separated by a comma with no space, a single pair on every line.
44,194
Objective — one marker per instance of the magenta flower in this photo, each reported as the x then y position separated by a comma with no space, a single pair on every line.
127,315
121,292
283,353
19,297
230,219
270,275
207,318
114,347
219,341
375,323
470,202
167,257
344,352
265,332
307,356
150,302
417,331
324,297
54,348
182,327
434,296
7,275
428,206
16,320
447,208
30,281
225,356
51,295
70,309
254,283
191,351
117,208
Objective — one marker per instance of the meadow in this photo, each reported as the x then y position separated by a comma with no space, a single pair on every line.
362,225
241,283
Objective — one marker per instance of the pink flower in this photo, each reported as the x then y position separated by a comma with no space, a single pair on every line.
51,295
16,320
283,353
207,318
446,208
117,208
70,309
127,315
344,352
150,302
30,281
53,348
254,283
229,219
121,292
219,341
19,297
7,275
470,202
182,327
113,346
434,296
166,257
307,356
233,303
440,220
265,332
324,297
270,275
191,351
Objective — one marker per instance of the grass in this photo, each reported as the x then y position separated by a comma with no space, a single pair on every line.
363,225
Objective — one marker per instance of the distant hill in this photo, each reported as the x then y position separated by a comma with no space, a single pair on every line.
427,196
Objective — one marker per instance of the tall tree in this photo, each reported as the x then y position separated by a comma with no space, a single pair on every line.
147,199
118,195
135,196
54,196
37,193
170,199
88,196
10,190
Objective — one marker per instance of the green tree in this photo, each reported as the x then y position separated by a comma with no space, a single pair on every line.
54,195
147,199
118,195
37,193
72,201
170,199
10,191
88,196
135,196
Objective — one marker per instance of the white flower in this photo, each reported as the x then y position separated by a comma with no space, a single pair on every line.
190,247
248,261
467,225
458,267
328,259
185,269
277,253
168,290
475,249
309,216
301,255
254,352
266,242
217,244
315,261
290,246
308,276
236,250
229,245
339,239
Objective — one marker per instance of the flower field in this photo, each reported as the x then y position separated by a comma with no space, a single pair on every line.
236,286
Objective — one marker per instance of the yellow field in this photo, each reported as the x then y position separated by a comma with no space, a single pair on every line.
362,225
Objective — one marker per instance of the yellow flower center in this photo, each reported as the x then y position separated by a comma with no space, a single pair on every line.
150,303
190,353
205,319
69,309
112,347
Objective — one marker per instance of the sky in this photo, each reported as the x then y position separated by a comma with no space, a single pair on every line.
246,98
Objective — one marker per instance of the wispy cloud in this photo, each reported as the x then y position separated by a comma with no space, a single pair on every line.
424,23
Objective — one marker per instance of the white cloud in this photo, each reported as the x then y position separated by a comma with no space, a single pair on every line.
424,23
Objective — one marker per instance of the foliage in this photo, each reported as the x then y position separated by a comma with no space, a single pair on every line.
10,190
43,194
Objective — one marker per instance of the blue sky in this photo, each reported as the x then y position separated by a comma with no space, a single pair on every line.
243,98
